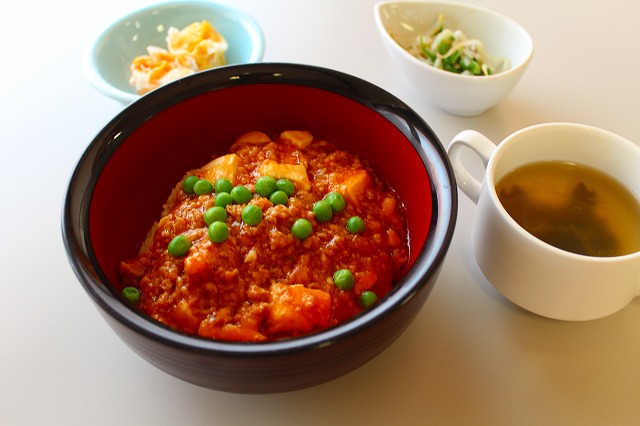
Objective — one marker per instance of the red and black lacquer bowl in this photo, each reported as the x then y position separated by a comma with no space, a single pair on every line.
176,128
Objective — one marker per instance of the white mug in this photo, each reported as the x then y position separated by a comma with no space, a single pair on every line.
531,273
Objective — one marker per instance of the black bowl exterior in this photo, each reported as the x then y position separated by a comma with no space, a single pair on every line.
279,371
274,366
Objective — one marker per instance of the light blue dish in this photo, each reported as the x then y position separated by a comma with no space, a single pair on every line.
109,56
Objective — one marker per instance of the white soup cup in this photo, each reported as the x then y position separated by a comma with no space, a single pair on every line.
531,273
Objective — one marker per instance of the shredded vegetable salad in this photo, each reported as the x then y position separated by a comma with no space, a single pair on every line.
451,50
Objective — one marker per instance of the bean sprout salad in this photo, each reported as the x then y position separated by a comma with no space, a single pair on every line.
451,50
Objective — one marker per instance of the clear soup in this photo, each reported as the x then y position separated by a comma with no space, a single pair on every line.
573,207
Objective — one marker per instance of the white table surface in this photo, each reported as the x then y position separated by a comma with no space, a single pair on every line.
470,357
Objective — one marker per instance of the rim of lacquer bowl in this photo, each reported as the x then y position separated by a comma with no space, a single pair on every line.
78,198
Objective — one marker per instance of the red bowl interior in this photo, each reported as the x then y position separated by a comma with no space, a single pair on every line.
145,166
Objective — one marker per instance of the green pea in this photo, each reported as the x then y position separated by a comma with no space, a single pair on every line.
251,215
222,185
218,232
279,197
286,185
322,210
265,186
301,229
223,199
215,214
202,187
241,194
336,201
367,299
343,279
187,184
131,294
179,246
355,225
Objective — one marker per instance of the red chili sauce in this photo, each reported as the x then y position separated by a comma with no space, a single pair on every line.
265,282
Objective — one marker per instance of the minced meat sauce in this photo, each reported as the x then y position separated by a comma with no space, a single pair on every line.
266,281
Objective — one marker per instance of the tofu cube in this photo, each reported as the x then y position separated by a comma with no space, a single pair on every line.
253,138
297,308
296,173
222,167
354,185
299,138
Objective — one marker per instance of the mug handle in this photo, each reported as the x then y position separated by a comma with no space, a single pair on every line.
482,146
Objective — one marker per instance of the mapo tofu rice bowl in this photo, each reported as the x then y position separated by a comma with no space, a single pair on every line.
280,237
261,228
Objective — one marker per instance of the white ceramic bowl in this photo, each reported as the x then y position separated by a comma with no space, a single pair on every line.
108,58
400,22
